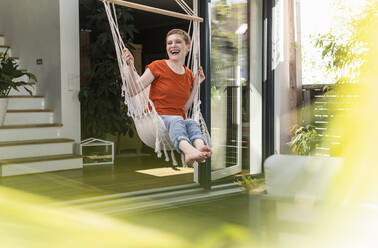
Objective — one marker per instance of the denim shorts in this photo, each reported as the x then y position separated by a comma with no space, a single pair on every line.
180,129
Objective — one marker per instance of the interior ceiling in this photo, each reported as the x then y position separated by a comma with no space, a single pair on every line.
145,20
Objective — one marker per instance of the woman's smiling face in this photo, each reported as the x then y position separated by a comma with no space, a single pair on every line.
176,47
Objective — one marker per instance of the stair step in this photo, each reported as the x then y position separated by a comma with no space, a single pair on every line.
24,117
30,132
29,110
21,91
34,142
31,126
35,148
22,78
38,159
17,59
21,96
26,102
22,166
3,48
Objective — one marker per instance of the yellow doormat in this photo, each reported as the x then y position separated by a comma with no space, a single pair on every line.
166,171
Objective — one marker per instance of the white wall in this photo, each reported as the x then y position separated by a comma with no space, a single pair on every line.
70,67
31,28
48,29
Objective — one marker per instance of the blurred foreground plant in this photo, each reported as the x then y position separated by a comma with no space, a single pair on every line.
30,221
27,221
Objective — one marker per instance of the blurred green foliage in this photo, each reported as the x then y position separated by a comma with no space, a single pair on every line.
345,54
343,50
30,221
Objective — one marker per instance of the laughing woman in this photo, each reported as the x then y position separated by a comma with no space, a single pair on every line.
172,91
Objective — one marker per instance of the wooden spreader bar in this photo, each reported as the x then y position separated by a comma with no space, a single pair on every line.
155,10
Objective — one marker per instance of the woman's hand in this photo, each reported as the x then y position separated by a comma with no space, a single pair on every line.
200,76
198,79
127,56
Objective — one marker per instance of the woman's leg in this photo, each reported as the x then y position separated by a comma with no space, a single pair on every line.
196,137
179,136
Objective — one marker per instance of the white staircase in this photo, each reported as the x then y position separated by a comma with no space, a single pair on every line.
30,140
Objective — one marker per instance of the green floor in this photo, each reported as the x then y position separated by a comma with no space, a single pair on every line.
219,221
100,179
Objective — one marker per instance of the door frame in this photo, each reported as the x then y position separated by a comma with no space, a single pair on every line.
267,142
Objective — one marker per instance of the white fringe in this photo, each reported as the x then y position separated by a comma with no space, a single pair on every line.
174,161
165,153
183,161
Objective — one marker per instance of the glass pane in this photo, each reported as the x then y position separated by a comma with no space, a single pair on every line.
229,74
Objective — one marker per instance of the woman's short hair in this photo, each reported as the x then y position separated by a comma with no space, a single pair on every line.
181,32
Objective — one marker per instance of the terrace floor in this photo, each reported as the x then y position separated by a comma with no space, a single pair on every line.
218,222
129,173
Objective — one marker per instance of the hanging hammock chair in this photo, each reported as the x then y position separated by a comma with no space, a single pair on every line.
149,125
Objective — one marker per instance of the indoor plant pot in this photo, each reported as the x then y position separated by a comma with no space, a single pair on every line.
9,71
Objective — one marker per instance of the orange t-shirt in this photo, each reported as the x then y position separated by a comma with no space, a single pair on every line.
169,91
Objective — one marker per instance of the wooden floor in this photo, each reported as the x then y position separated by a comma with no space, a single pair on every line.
219,222
130,173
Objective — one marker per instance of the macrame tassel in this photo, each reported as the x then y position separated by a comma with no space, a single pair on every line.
195,164
157,149
183,161
157,142
166,153
174,161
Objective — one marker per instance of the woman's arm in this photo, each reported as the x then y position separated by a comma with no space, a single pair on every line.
140,83
198,79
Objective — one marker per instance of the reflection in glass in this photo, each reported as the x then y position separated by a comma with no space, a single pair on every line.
229,77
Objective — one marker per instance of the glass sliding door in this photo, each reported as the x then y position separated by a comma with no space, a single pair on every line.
231,95
229,73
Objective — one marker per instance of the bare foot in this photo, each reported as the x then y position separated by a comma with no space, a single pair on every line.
200,146
196,155
207,150
191,154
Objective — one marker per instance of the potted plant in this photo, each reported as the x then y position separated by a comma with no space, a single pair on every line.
9,71
252,186
304,140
